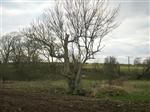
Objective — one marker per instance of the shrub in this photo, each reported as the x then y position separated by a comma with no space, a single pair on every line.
111,92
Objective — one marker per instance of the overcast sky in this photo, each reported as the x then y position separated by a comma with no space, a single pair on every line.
131,38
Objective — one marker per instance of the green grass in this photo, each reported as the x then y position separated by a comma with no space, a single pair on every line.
37,86
123,68
136,90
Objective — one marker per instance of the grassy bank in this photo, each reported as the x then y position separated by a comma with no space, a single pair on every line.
132,90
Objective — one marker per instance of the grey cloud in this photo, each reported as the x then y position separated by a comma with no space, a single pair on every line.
132,8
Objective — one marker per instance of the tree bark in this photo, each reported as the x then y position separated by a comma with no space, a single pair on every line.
66,58
74,81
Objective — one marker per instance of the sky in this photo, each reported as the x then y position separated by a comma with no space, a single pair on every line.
131,38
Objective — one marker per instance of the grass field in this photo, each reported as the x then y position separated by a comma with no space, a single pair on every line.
124,68
132,90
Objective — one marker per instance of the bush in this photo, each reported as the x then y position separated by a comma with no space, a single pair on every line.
31,71
111,92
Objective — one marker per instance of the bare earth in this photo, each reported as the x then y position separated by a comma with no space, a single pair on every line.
15,101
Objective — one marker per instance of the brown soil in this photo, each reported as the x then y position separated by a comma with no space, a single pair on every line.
16,101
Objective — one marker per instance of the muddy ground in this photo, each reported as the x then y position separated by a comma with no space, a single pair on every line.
16,101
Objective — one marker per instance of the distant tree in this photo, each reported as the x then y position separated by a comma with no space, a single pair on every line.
32,49
137,61
111,68
6,42
146,69
73,32
18,55
137,66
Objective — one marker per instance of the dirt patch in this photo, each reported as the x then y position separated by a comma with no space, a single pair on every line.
16,101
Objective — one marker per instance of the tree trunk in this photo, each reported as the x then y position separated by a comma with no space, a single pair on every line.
66,54
74,76
74,82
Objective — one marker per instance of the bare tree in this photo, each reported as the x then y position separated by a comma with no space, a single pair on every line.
31,48
111,68
73,32
6,42
18,54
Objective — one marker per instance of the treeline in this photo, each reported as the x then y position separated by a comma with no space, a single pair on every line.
16,48
23,58
109,70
